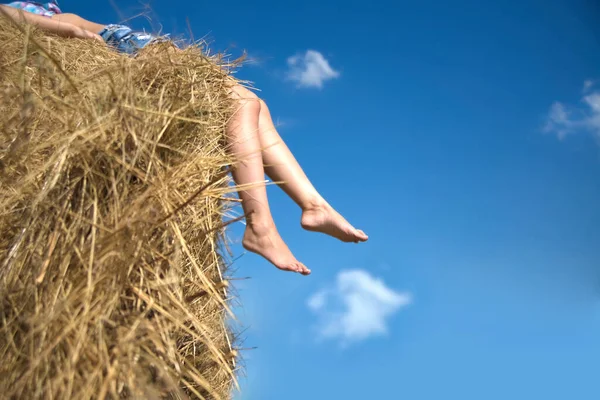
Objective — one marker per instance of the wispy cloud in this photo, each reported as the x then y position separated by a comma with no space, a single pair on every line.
587,85
310,70
564,120
356,307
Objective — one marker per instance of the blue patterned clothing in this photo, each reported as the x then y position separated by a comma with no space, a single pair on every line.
123,39
47,9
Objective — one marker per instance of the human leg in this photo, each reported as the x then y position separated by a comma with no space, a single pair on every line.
261,235
282,166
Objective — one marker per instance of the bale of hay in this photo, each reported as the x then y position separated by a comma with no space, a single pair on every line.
112,180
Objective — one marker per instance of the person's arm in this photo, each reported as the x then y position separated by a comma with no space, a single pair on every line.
59,28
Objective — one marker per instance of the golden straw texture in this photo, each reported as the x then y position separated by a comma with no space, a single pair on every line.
113,174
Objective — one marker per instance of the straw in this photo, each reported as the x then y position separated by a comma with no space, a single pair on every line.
113,172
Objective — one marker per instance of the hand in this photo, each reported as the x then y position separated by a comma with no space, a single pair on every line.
73,31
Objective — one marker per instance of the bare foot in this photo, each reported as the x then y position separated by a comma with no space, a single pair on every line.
323,218
265,241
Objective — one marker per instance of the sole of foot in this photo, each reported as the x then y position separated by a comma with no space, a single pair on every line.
266,242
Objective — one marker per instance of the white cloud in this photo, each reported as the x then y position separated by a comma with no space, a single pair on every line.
317,301
559,121
310,69
356,307
564,120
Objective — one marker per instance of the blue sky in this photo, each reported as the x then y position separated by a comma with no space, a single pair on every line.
463,137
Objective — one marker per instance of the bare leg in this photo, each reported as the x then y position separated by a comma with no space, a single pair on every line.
78,21
261,235
281,166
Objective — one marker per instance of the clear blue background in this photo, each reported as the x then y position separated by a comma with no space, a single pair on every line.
430,141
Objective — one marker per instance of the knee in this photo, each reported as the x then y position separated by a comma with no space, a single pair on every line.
247,99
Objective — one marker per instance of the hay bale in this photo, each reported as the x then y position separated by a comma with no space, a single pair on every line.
112,175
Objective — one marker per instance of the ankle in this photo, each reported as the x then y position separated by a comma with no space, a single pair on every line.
317,203
260,227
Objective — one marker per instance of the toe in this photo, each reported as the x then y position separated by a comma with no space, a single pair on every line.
304,270
362,235
297,267
289,267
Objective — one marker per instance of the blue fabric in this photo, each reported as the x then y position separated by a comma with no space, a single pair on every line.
47,9
123,39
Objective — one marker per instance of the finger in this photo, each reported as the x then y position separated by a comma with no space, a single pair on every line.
90,35
95,36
